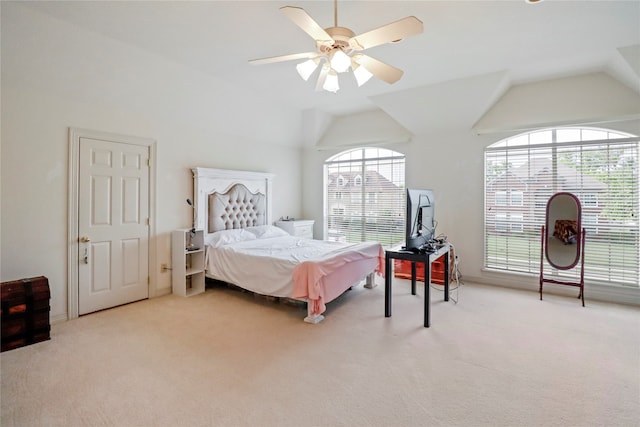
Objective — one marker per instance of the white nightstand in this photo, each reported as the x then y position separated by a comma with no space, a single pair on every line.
299,227
188,262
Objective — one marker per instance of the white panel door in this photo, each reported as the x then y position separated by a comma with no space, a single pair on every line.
112,224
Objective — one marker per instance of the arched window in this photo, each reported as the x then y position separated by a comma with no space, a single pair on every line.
599,166
365,196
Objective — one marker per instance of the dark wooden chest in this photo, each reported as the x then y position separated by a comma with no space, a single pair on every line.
24,306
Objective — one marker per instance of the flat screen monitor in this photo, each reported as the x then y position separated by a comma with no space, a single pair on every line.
420,220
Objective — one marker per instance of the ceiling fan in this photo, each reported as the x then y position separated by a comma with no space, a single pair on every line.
339,49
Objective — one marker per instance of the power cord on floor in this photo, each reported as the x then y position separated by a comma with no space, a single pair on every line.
457,275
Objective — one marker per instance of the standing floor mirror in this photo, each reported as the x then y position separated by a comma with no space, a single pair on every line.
563,240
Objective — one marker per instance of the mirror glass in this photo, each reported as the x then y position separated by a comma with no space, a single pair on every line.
563,231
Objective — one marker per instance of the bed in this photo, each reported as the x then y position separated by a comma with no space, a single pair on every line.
245,249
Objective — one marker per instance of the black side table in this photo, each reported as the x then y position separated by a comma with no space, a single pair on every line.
413,257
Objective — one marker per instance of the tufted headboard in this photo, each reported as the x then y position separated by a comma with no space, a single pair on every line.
236,208
226,199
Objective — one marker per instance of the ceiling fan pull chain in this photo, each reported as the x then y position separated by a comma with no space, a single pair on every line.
335,13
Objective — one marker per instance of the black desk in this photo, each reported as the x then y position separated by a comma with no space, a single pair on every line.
426,259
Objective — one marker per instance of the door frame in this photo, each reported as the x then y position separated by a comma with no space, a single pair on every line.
73,242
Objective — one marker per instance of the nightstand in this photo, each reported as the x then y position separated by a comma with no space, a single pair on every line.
187,259
298,227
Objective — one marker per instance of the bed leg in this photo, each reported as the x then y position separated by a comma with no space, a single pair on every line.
316,318
313,318
370,282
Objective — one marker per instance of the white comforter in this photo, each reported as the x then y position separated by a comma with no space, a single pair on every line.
265,266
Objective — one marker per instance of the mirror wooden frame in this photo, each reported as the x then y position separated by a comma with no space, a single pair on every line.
563,224
562,240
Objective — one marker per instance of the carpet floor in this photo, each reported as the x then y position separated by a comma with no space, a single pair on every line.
497,357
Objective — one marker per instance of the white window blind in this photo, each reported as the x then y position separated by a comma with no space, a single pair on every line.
598,166
365,196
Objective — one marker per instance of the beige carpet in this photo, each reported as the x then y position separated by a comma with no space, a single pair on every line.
498,357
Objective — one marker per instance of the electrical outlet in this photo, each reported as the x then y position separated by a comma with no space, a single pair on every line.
163,267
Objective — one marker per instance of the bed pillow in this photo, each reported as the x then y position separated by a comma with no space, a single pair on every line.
266,231
224,237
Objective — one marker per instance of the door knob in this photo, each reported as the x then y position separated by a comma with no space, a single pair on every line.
85,239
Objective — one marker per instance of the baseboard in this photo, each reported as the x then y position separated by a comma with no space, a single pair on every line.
593,291
58,318
162,292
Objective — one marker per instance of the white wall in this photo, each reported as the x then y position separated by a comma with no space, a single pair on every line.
56,76
588,98
452,164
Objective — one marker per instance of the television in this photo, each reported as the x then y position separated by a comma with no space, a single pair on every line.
420,222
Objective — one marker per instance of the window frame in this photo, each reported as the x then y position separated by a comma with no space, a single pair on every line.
520,200
504,198
599,234
373,204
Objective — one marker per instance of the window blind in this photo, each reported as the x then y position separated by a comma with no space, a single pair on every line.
365,196
598,166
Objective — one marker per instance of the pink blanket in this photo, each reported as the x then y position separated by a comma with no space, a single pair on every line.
322,280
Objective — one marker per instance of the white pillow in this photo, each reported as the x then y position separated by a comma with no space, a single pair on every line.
224,237
266,231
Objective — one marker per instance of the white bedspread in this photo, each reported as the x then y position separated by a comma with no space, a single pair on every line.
265,266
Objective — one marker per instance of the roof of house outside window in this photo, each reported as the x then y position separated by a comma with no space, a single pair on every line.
533,170
372,179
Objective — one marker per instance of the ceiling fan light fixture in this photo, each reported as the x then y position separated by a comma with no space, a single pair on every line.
340,49
361,74
340,61
331,82
306,68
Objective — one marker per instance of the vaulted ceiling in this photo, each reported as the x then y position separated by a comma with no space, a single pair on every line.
469,54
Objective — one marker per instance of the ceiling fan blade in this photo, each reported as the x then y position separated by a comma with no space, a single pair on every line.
308,25
395,31
292,57
379,69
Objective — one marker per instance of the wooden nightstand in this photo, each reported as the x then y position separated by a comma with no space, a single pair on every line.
299,227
